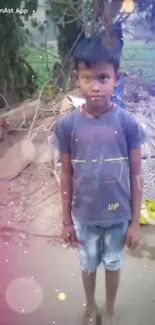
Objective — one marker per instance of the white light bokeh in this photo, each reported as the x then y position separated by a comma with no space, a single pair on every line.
24,295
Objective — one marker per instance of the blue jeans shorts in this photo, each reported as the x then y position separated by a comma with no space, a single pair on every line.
98,245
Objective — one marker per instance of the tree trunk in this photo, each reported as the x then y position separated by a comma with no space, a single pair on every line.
71,31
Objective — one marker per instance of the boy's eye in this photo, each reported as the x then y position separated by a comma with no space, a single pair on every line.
103,78
87,79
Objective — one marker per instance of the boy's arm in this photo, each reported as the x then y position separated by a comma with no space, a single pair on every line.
66,188
63,134
136,184
136,137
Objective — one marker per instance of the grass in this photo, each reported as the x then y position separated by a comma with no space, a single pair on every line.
138,58
42,66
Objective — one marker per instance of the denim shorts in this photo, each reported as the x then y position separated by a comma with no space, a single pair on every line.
98,245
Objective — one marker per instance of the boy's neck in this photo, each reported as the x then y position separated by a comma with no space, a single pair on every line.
88,113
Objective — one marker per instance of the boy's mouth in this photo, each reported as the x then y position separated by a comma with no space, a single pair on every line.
94,98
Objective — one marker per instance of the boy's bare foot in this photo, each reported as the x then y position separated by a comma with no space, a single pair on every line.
108,318
90,316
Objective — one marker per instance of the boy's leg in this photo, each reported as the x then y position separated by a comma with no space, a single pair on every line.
89,283
89,248
112,283
113,257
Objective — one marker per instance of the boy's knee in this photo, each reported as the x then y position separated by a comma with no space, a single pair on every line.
113,262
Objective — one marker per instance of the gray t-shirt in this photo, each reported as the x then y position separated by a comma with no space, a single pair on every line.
99,150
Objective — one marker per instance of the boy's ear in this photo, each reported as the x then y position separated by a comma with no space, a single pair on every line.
118,77
77,79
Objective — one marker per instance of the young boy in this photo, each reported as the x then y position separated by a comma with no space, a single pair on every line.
100,146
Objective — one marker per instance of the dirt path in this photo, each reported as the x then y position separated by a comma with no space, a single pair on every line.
32,202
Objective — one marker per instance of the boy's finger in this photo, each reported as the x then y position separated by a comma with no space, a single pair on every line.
73,238
132,244
135,244
74,244
67,239
129,242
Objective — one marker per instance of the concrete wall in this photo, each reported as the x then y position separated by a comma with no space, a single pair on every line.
40,15
139,31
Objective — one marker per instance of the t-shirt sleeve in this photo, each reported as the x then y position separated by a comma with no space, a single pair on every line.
62,133
135,134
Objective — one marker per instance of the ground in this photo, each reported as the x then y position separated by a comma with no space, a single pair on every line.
36,274
30,203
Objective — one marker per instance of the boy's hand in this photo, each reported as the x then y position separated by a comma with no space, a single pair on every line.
133,236
69,235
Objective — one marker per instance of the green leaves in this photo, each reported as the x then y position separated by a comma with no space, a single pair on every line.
16,75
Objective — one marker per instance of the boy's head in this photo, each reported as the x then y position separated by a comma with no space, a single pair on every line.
97,68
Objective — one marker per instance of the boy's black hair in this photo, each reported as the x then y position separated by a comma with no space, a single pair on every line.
94,50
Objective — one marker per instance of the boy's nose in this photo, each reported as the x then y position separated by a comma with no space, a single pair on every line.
96,90
95,87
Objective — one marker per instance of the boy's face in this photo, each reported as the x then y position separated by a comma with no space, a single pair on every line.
97,85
